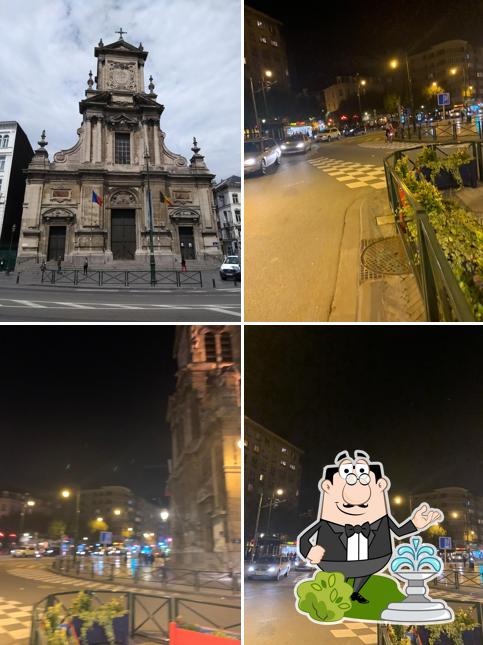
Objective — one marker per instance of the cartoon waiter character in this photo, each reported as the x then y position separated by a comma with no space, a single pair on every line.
353,534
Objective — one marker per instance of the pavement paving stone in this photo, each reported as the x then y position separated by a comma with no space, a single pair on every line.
15,619
366,633
353,175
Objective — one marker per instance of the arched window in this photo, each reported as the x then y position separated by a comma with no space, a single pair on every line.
5,141
226,348
210,347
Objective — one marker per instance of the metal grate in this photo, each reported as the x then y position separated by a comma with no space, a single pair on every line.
381,257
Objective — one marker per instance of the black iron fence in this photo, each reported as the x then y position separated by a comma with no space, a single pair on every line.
150,575
442,295
441,131
455,579
111,278
474,637
149,615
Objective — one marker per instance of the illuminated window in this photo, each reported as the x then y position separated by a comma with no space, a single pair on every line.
292,467
210,348
274,43
246,443
284,449
284,463
122,148
259,23
226,350
256,448
263,40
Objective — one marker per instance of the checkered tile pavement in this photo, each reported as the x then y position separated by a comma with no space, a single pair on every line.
353,175
15,619
363,632
383,145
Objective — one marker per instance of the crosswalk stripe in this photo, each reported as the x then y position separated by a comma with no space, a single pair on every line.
73,305
29,303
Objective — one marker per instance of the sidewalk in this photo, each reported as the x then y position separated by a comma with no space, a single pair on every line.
375,282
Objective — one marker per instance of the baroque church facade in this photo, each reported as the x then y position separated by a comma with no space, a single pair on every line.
92,199
205,468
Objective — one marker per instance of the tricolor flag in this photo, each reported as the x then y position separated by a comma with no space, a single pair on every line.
96,199
165,199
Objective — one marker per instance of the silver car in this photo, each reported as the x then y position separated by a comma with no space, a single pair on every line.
269,566
297,143
329,134
260,154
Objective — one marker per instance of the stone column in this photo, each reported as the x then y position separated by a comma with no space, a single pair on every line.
99,140
87,139
108,145
145,136
157,155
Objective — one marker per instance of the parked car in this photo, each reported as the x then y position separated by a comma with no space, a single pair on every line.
354,131
260,154
51,552
297,143
328,134
270,566
24,552
230,269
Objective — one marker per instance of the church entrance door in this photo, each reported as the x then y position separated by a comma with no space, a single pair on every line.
56,248
123,234
187,242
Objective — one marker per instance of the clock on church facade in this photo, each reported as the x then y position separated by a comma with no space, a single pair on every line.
91,200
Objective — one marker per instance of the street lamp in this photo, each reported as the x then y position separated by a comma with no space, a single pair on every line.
164,515
28,503
276,494
66,493
152,263
117,511
394,64
267,74
360,83
99,519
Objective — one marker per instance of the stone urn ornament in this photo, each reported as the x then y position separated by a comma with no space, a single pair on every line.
415,564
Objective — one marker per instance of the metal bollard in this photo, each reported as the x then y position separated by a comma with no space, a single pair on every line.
456,579
214,283
18,278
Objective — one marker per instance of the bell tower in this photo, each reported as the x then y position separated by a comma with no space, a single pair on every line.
120,67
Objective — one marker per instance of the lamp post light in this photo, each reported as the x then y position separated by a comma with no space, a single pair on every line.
152,263
394,64
66,494
27,504
12,233
278,493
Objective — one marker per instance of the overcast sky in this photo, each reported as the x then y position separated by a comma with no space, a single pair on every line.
47,50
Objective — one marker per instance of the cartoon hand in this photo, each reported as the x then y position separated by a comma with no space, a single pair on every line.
423,516
316,554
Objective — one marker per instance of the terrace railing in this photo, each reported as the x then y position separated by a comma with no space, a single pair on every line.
442,295
441,132
110,278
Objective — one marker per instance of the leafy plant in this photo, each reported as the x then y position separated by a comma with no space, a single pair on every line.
102,615
56,635
463,622
197,628
325,598
82,603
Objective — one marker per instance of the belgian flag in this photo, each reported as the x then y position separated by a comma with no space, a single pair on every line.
164,199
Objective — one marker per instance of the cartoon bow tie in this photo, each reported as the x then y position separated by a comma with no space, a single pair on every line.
365,529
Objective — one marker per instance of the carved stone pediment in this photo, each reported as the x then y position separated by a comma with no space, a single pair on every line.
184,214
123,198
121,122
58,215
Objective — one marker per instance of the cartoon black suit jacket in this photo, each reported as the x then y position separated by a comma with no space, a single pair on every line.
334,540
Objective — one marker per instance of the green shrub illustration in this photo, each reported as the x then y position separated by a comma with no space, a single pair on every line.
325,597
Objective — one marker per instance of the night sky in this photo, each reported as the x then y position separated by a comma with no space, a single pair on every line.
348,37
85,406
410,396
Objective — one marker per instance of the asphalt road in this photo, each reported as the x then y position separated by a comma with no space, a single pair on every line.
64,304
294,226
26,582
271,616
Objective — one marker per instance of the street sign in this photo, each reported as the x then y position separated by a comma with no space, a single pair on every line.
106,537
445,543
444,98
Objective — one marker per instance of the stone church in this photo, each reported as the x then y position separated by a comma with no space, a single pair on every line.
205,469
92,199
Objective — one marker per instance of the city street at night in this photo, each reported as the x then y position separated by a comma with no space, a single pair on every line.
305,223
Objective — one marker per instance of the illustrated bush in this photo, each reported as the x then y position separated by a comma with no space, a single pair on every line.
325,597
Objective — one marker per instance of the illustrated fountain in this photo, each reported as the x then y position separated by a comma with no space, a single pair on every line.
415,564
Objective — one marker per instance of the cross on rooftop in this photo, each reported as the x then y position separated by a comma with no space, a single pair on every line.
121,32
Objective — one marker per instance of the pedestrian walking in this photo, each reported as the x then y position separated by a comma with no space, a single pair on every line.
43,268
183,263
86,265
59,264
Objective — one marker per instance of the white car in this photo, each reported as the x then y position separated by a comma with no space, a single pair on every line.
296,143
328,134
24,552
260,154
269,566
230,268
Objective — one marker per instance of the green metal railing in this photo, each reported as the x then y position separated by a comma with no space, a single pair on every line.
149,615
441,132
443,298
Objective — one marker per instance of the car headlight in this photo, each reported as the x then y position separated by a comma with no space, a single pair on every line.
300,145
272,569
251,569
250,162
283,147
